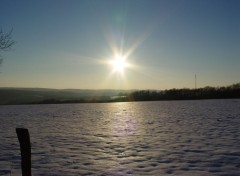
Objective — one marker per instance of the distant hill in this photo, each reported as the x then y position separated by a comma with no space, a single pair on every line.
53,96
36,95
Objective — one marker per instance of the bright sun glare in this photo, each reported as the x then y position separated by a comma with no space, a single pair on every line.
119,63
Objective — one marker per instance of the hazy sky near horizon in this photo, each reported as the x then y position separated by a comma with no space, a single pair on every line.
67,44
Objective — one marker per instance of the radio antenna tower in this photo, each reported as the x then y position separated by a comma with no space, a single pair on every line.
195,81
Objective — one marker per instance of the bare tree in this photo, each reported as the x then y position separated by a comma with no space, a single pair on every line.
6,42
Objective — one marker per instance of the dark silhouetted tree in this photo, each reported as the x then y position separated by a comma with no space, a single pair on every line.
6,42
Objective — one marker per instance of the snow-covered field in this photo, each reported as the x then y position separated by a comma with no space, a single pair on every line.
139,138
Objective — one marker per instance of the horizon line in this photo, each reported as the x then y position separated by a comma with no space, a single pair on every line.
110,88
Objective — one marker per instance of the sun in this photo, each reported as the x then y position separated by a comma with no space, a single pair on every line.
119,63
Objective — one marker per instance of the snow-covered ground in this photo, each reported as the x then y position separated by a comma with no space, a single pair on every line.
139,138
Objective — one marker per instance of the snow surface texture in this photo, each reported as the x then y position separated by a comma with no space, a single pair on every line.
139,138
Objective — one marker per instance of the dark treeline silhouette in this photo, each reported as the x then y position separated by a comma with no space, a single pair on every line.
228,92
62,97
232,91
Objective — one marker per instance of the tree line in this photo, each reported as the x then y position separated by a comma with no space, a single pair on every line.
228,92
232,91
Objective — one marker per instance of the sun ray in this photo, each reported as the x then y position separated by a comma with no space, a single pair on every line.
120,59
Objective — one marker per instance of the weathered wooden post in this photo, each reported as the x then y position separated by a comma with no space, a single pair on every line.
25,147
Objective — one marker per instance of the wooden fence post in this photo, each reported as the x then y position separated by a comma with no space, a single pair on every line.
25,147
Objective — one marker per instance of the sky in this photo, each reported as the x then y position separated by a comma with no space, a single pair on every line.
71,44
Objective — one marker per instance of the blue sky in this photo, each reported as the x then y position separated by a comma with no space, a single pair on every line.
67,44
